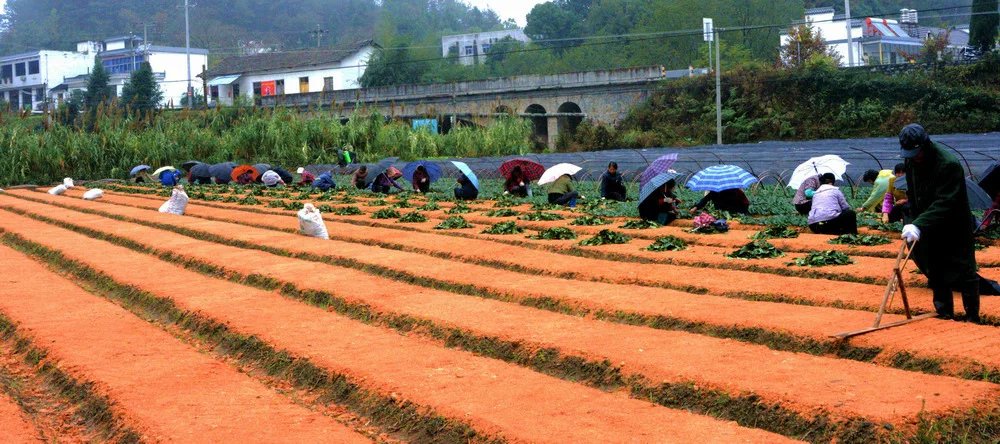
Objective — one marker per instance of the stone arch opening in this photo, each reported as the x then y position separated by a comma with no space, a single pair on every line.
568,124
539,123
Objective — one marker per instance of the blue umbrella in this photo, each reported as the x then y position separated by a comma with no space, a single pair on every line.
655,183
978,198
660,165
222,172
721,178
467,172
138,169
433,170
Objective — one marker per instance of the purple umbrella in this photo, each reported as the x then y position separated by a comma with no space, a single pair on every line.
659,166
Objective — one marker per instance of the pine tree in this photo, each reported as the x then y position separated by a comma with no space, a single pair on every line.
983,27
97,87
142,94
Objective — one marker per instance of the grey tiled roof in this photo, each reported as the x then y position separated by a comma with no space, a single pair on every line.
285,60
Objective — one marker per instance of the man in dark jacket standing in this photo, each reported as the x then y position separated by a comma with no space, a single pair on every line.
941,222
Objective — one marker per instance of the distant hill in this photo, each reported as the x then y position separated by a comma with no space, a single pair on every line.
221,25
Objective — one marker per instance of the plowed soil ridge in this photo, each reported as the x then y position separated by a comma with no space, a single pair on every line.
506,396
169,390
815,322
15,428
784,377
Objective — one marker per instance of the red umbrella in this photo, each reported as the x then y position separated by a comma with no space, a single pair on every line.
532,170
244,174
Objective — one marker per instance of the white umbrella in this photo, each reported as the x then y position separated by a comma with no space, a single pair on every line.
818,165
558,171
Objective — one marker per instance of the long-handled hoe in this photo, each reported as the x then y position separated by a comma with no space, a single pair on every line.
895,283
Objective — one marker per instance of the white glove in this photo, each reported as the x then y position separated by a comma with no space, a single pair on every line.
911,233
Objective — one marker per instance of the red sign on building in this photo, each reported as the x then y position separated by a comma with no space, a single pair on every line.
267,89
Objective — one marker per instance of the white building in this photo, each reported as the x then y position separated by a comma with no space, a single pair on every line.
298,72
25,79
469,47
120,56
876,41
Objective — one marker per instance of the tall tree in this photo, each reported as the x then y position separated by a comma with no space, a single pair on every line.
98,91
393,66
805,43
142,94
984,24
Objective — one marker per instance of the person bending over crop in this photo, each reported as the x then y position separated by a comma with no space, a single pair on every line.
324,182
271,179
517,183
661,206
830,213
941,224
561,192
466,190
421,180
803,196
385,180
612,184
733,201
880,184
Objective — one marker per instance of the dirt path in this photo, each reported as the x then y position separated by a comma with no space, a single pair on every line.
657,355
510,401
169,391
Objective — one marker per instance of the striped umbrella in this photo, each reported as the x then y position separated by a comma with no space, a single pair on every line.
721,178
661,165
655,183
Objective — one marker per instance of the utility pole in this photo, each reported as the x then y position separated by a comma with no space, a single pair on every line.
318,32
187,51
718,88
850,43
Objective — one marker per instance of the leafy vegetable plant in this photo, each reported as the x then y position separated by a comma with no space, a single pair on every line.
508,227
606,237
822,259
554,233
668,243
452,223
758,249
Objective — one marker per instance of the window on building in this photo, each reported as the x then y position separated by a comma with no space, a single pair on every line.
123,65
256,89
7,72
33,67
327,83
19,69
470,50
486,48
40,94
214,91
15,100
236,90
303,85
279,87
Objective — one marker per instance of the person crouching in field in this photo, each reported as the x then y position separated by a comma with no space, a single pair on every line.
612,184
421,180
830,213
466,190
732,201
561,192
517,184
661,206
361,178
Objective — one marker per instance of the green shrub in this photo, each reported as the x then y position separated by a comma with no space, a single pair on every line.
554,233
758,249
508,227
606,237
668,243
453,223
822,259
